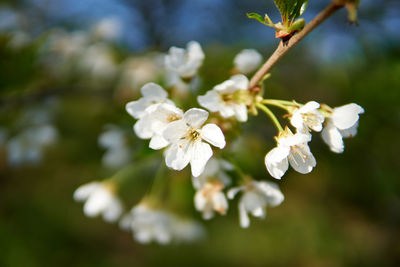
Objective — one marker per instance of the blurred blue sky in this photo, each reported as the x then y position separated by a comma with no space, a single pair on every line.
162,23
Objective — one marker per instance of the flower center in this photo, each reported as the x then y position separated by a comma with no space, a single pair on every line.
310,119
208,192
227,97
193,135
297,150
173,117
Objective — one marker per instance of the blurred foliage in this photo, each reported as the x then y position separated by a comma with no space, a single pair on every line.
345,213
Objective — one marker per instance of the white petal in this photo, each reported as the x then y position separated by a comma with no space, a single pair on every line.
297,120
142,128
226,110
213,134
301,159
252,200
163,236
208,214
201,153
175,131
225,87
157,142
113,211
177,155
240,112
272,192
309,107
143,237
220,203
244,218
233,191
346,116
195,52
84,191
332,137
247,60
276,161
259,212
136,108
153,91
293,140
350,132
195,117
97,202
211,100
241,81
200,201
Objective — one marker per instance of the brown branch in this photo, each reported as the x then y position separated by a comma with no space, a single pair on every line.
282,50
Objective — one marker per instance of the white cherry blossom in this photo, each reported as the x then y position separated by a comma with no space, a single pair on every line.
187,136
227,98
149,224
209,197
183,62
342,123
256,197
247,61
293,149
307,117
152,94
152,124
99,199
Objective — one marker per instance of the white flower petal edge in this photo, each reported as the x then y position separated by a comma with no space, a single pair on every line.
186,138
292,148
256,197
346,116
343,123
223,99
213,135
152,94
332,137
276,161
99,199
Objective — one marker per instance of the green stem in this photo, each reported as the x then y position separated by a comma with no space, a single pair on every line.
157,188
271,115
284,102
275,103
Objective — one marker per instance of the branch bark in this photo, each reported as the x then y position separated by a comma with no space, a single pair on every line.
282,50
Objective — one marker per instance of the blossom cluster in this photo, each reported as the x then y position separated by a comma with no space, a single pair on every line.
193,136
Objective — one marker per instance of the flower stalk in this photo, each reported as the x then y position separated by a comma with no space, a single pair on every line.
271,115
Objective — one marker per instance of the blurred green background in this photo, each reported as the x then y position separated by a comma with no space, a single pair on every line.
346,212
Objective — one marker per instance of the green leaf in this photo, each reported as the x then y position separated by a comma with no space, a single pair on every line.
291,9
257,17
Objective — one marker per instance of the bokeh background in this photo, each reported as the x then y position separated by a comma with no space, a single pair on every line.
67,68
